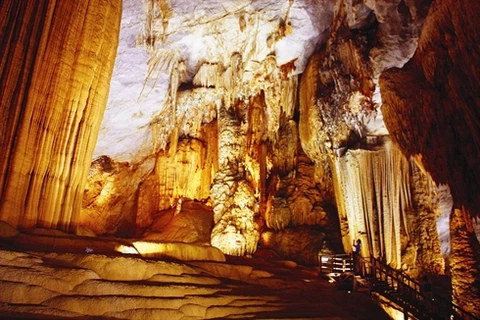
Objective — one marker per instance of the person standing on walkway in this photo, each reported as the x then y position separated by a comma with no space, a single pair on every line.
357,247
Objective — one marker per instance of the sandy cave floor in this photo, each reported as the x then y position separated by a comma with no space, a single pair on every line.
37,283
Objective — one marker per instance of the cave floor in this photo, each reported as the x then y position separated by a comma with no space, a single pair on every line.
78,285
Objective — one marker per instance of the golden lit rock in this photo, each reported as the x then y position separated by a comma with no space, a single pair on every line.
110,199
189,172
189,222
180,251
57,66
381,180
431,110
235,135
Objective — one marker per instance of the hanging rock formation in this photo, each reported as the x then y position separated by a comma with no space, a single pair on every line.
431,108
54,83
244,125
387,202
443,118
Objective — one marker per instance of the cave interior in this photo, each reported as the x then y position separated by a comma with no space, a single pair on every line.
177,137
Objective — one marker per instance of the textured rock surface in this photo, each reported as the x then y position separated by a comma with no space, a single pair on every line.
436,94
110,198
54,92
189,222
464,262
443,119
380,179
251,90
199,43
265,113
123,199
67,285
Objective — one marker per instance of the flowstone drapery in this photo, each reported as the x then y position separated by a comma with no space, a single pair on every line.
387,201
373,189
55,70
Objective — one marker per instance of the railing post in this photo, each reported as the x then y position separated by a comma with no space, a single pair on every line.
405,311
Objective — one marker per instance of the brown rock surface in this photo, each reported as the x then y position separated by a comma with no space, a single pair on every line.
431,105
78,285
55,84
431,109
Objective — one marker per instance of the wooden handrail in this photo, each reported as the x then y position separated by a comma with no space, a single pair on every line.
335,263
411,289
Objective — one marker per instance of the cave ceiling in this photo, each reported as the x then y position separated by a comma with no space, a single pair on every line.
262,122
178,51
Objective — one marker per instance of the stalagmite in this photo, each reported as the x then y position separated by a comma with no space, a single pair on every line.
233,199
464,261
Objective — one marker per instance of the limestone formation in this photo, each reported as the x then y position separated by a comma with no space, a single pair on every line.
382,180
66,285
436,96
56,69
226,129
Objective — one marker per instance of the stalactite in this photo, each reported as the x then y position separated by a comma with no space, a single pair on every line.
310,118
176,75
236,65
285,148
262,154
207,75
256,119
368,202
370,187
395,175
340,199
190,171
280,97
278,216
165,16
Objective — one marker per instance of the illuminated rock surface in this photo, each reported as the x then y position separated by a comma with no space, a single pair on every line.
54,90
231,127
443,126
108,286
224,116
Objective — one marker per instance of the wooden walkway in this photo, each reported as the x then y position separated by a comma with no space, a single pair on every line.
395,286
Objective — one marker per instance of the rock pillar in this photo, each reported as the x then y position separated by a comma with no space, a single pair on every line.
56,64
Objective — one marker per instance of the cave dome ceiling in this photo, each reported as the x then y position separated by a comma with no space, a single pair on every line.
164,44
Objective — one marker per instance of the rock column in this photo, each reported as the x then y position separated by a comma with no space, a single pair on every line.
56,64
431,109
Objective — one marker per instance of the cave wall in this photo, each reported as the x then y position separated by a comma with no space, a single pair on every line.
56,64
436,96
275,159
431,108
123,199
274,167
